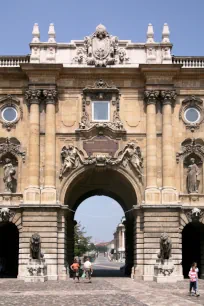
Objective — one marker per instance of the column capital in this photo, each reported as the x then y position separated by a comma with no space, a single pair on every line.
168,97
33,96
50,96
151,96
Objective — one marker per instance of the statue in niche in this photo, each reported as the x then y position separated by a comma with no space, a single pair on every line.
70,157
9,172
192,175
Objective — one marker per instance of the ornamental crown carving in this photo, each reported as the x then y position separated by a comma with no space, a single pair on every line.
130,156
33,95
190,146
100,49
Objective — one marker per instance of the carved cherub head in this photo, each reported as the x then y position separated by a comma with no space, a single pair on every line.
192,161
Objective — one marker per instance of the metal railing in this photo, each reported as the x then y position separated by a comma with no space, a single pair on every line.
14,61
189,61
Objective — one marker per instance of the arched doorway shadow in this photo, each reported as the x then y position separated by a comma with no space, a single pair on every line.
193,247
109,183
9,249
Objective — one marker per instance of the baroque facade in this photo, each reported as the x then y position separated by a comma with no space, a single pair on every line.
101,116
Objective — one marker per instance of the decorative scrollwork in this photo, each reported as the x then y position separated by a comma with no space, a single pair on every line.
194,215
131,155
100,50
190,146
6,214
11,145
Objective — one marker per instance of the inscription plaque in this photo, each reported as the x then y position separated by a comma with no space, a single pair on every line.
100,144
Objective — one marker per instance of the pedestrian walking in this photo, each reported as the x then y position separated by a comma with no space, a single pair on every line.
197,271
193,276
88,269
75,268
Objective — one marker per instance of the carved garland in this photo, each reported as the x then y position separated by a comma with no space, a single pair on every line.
191,146
131,155
11,145
197,103
10,101
101,91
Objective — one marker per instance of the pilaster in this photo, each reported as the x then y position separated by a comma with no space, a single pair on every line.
169,194
152,193
32,193
48,193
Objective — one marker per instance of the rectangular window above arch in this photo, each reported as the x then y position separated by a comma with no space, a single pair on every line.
101,111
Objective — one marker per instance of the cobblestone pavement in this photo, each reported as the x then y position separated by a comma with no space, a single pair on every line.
101,292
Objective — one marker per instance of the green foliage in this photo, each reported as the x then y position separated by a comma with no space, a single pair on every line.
82,243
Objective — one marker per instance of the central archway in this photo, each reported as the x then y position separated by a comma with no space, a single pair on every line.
107,182
9,249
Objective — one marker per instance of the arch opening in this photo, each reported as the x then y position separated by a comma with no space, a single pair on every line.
9,250
108,183
193,247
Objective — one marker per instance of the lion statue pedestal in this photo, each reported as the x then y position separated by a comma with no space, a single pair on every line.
36,268
164,268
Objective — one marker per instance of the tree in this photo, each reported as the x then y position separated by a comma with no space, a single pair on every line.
82,243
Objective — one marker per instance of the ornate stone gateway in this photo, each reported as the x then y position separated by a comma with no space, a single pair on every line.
102,116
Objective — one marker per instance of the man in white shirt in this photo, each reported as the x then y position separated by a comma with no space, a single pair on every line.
88,269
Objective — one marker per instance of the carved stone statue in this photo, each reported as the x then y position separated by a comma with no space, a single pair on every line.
35,246
70,157
132,154
9,172
6,214
192,175
165,247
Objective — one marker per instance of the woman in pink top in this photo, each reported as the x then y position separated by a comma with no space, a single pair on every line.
193,277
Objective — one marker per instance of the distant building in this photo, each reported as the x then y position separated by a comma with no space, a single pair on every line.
119,242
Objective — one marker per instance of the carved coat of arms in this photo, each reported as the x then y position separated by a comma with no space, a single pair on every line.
100,49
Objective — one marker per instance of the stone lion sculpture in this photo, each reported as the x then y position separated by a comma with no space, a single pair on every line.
35,246
165,247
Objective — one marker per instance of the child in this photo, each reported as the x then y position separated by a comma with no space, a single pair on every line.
197,270
193,277
75,269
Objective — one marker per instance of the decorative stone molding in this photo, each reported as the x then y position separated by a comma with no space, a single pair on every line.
50,96
11,145
151,96
100,50
101,91
190,146
33,96
131,155
194,215
6,214
168,97
194,102
10,101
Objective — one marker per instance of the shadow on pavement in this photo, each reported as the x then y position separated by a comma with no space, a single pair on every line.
107,273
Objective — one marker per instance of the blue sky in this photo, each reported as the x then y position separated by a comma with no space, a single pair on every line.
127,19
